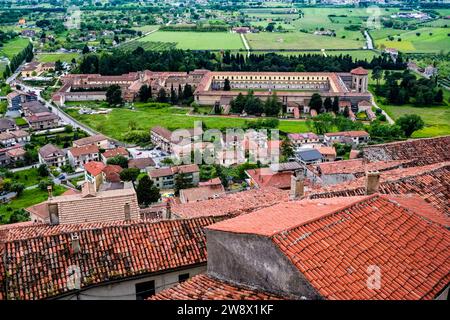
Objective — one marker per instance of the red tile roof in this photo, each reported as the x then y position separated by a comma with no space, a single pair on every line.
231,204
94,168
425,151
205,287
353,134
201,193
36,259
112,172
120,151
88,149
358,166
359,71
265,177
188,168
335,252
333,243
431,183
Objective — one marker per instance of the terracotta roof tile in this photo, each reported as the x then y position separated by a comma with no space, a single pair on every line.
231,204
411,252
94,168
36,259
88,149
425,151
120,151
205,287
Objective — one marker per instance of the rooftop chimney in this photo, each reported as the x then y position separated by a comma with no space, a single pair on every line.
50,192
297,187
372,182
75,243
88,190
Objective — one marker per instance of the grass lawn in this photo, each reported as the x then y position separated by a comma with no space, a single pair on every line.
197,40
116,123
437,118
53,57
27,177
27,199
13,47
20,121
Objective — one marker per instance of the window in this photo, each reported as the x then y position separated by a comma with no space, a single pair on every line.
145,290
183,277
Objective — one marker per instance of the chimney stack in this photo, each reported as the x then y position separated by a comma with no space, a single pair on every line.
372,182
75,243
297,187
50,192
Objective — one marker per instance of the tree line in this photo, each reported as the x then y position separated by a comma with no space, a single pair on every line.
120,62
26,54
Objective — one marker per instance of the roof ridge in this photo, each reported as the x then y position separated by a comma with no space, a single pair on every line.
326,215
109,226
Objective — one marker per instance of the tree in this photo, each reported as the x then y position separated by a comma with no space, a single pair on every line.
162,95
114,95
86,49
272,106
346,112
130,174
17,187
410,123
322,123
335,106
187,92
316,102
146,191
328,104
173,96
377,74
270,27
226,85
439,96
182,182
43,170
145,93
118,161
287,149
237,104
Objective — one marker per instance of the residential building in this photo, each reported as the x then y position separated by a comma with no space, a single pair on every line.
111,153
89,206
33,107
307,156
93,173
78,156
16,154
116,260
202,193
328,153
344,236
142,164
43,121
7,125
17,98
99,140
164,178
298,139
14,137
111,173
275,176
349,137
52,156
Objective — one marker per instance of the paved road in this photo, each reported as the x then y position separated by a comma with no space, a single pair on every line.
388,118
247,47
369,42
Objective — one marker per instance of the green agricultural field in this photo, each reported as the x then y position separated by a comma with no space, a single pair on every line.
116,124
428,40
53,57
197,40
299,40
13,47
